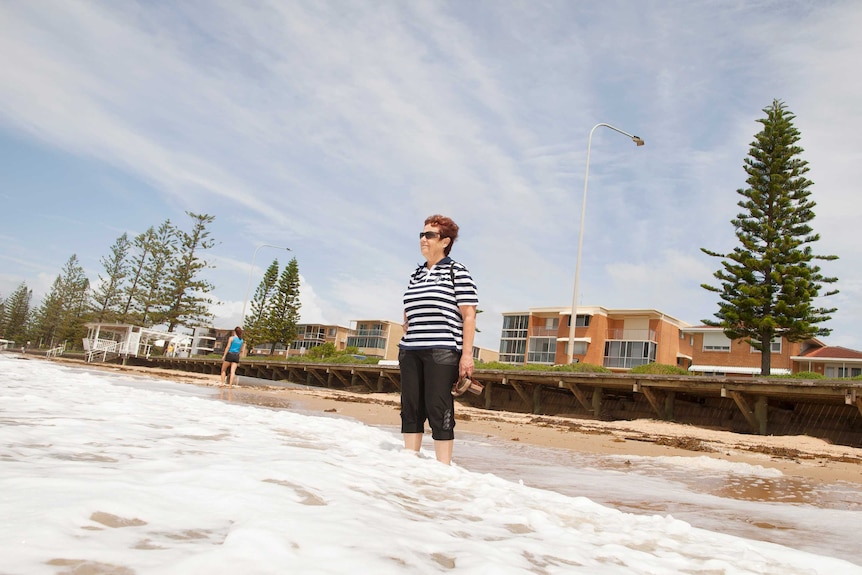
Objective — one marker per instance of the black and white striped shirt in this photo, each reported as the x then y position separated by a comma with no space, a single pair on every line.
431,304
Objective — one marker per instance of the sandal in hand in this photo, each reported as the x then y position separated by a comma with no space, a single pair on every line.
466,384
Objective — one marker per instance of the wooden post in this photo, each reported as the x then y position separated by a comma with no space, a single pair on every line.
742,403
537,399
761,411
579,395
656,400
520,391
669,401
597,402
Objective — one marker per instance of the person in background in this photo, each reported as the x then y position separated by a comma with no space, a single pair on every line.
233,350
437,348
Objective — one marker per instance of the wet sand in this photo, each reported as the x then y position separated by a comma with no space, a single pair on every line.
795,456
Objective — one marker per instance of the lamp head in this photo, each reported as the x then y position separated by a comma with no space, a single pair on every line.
638,140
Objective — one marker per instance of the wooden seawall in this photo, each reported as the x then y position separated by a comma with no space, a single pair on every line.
829,409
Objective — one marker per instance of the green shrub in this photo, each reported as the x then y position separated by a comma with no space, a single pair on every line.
340,358
659,369
321,351
575,367
580,368
801,375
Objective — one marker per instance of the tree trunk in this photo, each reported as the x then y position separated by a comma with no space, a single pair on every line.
766,358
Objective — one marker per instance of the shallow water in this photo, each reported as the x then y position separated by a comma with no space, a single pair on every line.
110,473
748,501
736,498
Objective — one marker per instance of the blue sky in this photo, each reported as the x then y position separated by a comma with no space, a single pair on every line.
335,128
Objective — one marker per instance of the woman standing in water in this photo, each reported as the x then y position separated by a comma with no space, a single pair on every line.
437,348
234,349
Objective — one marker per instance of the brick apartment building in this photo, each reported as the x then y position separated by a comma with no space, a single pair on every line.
620,339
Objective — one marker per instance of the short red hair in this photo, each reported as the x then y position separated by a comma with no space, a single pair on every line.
448,229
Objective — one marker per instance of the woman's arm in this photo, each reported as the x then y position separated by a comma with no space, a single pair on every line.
226,348
465,366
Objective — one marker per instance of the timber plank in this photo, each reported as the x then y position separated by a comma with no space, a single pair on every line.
742,403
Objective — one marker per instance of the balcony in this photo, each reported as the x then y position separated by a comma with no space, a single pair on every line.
366,342
632,335
544,332
370,333
625,362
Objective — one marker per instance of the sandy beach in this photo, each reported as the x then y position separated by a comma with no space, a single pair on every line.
800,456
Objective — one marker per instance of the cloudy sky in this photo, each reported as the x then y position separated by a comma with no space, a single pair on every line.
335,128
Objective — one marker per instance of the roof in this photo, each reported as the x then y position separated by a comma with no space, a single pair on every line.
601,310
833,352
702,329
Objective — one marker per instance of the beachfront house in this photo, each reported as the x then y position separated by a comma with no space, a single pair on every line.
715,354
618,339
107,341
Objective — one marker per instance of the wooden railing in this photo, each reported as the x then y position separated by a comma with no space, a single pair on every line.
101,346
55,351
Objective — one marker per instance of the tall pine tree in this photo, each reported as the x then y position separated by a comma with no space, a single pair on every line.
769,282
108,295
187,302
284,313
15,315
254,324
60,318
147,291
140,252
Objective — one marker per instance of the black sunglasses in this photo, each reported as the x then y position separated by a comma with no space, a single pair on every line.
429,235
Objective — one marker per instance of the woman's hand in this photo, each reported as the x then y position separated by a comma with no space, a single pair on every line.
465,366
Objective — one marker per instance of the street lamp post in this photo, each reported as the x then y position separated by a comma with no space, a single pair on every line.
638,141
251,271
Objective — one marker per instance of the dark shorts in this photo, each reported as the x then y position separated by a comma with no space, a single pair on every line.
427,376
231,357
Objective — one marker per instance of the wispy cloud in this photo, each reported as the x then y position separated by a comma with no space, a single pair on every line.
336,128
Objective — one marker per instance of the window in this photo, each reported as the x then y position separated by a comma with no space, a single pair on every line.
580,348
580,321
515,326
512,350
842,372
715,342
628,354
313,332
542,350
299,345
370,329
775,346
366,342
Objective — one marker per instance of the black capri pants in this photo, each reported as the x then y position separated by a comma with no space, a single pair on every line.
427,376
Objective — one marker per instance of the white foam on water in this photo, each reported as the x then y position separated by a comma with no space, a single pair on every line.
99,471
